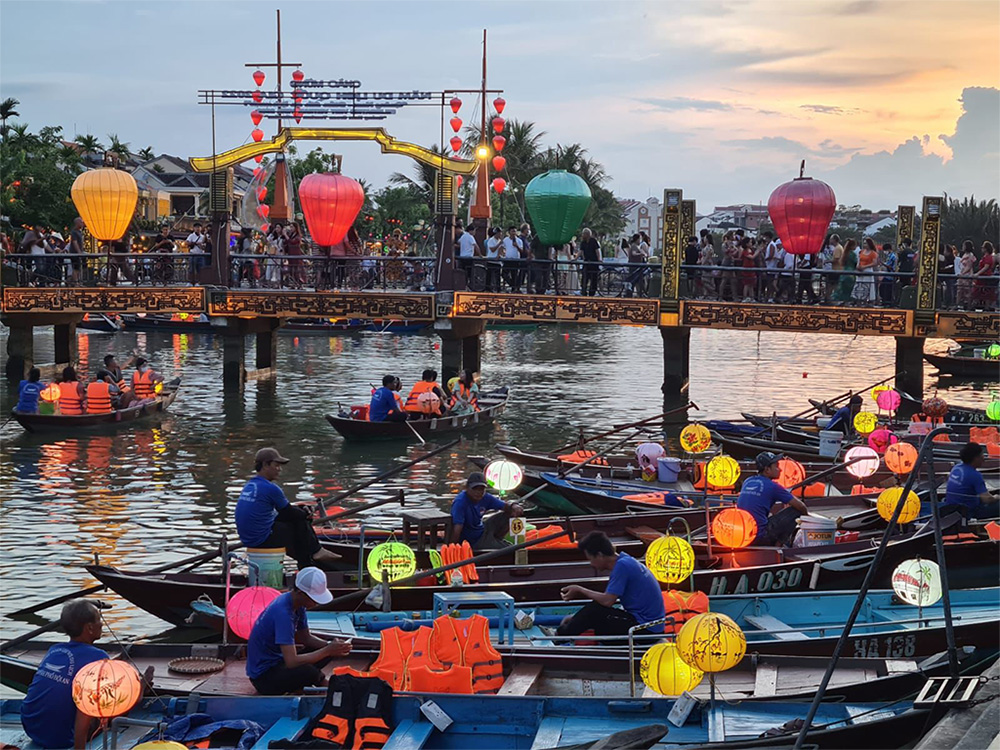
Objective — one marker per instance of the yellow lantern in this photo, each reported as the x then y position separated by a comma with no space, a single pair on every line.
711,642
723,471
160,745
879,389
663,670
865,422
695,438
106,200
891,497
395,558
670,559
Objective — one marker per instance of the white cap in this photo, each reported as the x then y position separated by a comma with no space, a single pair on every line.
312,583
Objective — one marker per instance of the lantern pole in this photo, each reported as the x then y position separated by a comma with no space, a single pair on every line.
949,627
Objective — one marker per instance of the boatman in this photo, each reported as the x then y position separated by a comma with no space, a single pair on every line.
843,418
966,489
265,518
385,404
275,665
631,584
467,511
29,391
419,404
758,497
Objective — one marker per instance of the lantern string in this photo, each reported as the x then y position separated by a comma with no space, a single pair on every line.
128,658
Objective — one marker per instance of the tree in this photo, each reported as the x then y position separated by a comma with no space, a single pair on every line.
118,148
8,109
423,181
147,154
37,177
969,219
89,144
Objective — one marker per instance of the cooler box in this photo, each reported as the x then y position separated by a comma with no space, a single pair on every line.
829,442
668,469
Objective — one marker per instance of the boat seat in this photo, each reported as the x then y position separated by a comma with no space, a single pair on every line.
549,733
766,681
644,534
285,728
521,679
770,623
409,735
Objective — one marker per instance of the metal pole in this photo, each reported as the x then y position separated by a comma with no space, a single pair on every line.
949,628
280,103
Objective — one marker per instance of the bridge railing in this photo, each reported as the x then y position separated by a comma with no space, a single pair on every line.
345,273
103,269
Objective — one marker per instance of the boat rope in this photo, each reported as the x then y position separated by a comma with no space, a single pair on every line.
128,657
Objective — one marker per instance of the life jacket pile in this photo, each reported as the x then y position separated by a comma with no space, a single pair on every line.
98,398
659,498
70,401
580,456
921,424
682,606
466,643
453,553
984,435
356,714
563,542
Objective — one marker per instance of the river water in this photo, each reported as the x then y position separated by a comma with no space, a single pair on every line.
147,495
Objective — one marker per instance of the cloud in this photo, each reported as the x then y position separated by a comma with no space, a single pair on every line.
682,102
828,109
778,142
858,8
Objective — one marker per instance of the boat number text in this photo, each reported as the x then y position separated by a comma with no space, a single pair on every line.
779,580
888,647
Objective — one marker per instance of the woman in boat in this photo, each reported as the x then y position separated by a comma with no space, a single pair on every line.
464,394
28,392
71,393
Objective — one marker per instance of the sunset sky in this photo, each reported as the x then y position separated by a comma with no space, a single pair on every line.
887,100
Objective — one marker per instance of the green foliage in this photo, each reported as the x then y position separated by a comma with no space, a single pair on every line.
969,219
38,172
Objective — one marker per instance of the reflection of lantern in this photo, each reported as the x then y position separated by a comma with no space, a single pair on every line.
790,473
670,559
499,142
888,400
499,163
503,475
456,104
917,582
330,203
498,123
106,200
890,498
881,439
557,201
800,211
900,458
734,528
695,438
868,463
456,143
934,407
723,471
106,688
456,123
664,671
877,390
711,642
498,104
865,422
499,183
395,558
246,606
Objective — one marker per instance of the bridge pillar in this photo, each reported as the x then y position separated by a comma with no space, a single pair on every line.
66,352
267,349
676,364
20,349
910,365
460,345
234,352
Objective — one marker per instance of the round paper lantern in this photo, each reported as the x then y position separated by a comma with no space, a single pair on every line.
498,123
662,669
917,582
160,745
901,458
498,143
106,200
881,439
890,498
557,201
888,400
670,559
993,410
499,163
298,75
498,104
993,351
695,438
256,117
723,471
456,123
499,183
877,390
50,393
865,422
790,473
246,606
258,76
106,688
800,211
934,406
456,143
330,203
257,134
868,463
503,475
456,104
395,558
734,528
711,642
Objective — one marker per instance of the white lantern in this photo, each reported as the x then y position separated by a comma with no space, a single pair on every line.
503,475
868,463
917,582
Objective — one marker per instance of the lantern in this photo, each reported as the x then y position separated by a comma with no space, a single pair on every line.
877,390
504,476
259,158
456,104
257,97
297,114
395,558
498,104
246,606
499,142
900,458
106,200
723,471
50,393
993,410
867,461
456,123
106,688
498,123
881,439
257,134
888,400
265,228
456,143
800,211
917,582
298,75
263,210
695,438
262,192
663,670
790,473
297,95
711,642
993,351
890,498
499,183
557,201
258,76
670,559
499,163
256,117
330,203
865,422
934,407
734,528
458,181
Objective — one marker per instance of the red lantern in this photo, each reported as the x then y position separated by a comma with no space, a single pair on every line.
498,104
258,76
298,75
499,163
297,114
256,172
257,97
106,688
263,210
499,184
458,181
734,528
801,211
330,203
498,143
498,123
456,123
934,406
456,104
256,117
259,158
456,144
257,134
265,228
297,94
262,193
246,606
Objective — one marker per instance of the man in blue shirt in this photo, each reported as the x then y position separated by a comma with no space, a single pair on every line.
843,418
467,511
275,665
966,489
630,583
265,518
385,405
28,392
758,496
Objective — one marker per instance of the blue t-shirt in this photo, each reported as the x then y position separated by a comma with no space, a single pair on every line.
276,627
28,393
757,496
383,403
637,590
48,713
256,510
965,485
470,514
840,420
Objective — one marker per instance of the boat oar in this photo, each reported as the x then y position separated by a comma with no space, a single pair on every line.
619,428
391,472
47,627
398,497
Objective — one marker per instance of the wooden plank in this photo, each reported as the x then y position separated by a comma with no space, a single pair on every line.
771,624
644,533
716,724
766,682
521,679
895,666
409,735
549,733
284,728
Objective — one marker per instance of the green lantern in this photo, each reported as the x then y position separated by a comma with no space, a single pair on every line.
557,201
993,352
993,410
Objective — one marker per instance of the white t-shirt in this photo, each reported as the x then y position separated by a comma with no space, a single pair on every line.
644,248
196,242
772,255
466,245
787,262
512,248
493,247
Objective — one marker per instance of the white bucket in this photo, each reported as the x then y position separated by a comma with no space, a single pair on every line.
668,469
829,442
822,422
267,568
814,531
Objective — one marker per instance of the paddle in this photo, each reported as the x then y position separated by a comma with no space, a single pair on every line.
47,627
354,511
619,428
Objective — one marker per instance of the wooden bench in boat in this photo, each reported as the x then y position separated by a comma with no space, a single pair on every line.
782,631
285,728
521,679
409,735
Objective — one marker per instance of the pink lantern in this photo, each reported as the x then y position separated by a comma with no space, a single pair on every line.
801,211
456,143
881,439
888,400
257,134
257,97
246,606
298,75
256,117
456,104
863,461
499,163
258,77
498,123
330,203
499,184
498,104
456,123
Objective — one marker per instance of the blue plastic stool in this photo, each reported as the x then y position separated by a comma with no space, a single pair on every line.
445,602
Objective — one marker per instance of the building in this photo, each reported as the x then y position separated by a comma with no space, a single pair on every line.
644,217
172,189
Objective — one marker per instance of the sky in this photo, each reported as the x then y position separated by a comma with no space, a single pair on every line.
887,100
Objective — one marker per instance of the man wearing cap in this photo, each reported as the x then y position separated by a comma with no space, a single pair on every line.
759,494
843,418
265,518
467,511
275,665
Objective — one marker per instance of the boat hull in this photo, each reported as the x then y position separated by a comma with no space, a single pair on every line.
68,424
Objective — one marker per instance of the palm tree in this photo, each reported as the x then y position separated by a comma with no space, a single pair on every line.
422,183
118,148
147,154
969,219
89,144
69,157
8,109
20,138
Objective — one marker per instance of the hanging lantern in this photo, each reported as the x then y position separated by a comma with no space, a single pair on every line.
498,123
499,183
504,476
889,400
456,104
901,458
790,473
934,407
459,181
734,528
259,158
670,559
456,123
297,114
256,117
246,606
722,471
265,228
881,439
993,410
557,201
917,582
662,669
257,134
330,203
258,77
395,558
695,438
877,390
106,200
261,193
106,688
257,97
498,143
263,210
865,422
711,642
50,393
456,144
866,466
298,75
890,498
800,211
499,163
498,104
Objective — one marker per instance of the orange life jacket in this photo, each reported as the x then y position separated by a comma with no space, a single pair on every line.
984,435
455,679
860,489
70,401
142,382
467,643
453,553
654,498
682,606
580,456
563,542
399,652
465,394
815,489
98,398
412,401
926,425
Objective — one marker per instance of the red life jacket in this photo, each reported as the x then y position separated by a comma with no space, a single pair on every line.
98,398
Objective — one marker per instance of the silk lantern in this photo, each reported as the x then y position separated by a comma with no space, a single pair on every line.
499,183
499,163
330,203
394,558
800,211
900,458
790,473
256,117
722,471
993,410
456,123
917,582
257,97
106,200
504,476
498,104
246,606
867,461
711,642
456,104
258,77
889,400
865,422
734,528
498,124
298,75
456,143
934,407
877,390
890,498
257,134
695,438
106,688
557,201
881,439
259,158
663,670
498,143
670,559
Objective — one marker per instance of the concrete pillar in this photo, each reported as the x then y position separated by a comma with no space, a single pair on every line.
676,364
472,353
910,365
65,343
451,358
20,350
234,371
460,347
267,349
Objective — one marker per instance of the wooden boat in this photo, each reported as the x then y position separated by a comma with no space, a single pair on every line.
98,323
491,406
70,423
963,364
176,323
911,405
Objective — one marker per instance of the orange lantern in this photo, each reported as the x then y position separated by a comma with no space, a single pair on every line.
734,528
50,393
106,200
790,473
246,606
901,458
106,688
